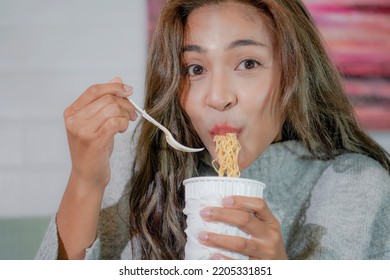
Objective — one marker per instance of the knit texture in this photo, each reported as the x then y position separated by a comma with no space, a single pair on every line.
328,209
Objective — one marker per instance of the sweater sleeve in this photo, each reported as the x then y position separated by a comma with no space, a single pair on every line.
347,209
49,246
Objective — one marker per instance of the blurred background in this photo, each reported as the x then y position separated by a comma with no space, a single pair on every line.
52,50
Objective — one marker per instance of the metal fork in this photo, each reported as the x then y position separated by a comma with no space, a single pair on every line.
168,136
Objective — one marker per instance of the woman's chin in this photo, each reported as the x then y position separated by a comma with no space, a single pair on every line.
244,163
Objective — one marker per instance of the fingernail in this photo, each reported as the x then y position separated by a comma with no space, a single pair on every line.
203,236
227,201
116,80
216,257
128,88
133,116
206,213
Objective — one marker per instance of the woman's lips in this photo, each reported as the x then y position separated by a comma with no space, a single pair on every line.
223,130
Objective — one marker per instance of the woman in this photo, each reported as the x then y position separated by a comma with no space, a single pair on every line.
256,68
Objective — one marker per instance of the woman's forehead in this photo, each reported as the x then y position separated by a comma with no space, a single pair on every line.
230,21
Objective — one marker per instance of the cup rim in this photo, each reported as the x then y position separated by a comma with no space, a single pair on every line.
221,179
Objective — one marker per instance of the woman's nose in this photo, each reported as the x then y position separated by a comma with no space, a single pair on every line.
221,94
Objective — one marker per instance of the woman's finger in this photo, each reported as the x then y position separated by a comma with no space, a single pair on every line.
112,126
110,111
220,257
94,92
254,248
247,247
251,215
254,205
92,109
244,220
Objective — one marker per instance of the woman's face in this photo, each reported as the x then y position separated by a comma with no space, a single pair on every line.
229,63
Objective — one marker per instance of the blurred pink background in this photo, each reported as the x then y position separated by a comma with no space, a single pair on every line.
357,36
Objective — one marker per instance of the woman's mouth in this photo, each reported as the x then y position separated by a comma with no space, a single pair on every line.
223,130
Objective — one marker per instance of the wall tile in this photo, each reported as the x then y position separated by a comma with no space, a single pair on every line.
11,139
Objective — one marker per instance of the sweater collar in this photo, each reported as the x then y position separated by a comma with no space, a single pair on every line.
270,162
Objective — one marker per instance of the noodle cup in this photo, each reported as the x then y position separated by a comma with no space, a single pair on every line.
202,192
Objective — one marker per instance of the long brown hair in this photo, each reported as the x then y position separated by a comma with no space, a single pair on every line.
310,95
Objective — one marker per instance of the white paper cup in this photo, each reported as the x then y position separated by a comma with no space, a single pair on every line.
202,192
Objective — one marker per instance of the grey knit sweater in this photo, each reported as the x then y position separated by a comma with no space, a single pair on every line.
334,209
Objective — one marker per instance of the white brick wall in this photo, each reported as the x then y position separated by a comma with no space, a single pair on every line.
51,51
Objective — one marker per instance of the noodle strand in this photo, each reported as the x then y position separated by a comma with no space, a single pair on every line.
227,149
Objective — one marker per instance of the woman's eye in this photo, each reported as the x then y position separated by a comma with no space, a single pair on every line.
248,64
195,70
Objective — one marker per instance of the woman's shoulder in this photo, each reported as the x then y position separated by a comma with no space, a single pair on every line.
350,201
346,168
354,172
360,166
345,164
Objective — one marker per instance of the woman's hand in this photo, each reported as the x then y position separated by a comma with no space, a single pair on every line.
91,123
252,216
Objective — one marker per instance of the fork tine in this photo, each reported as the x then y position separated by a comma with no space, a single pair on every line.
173,143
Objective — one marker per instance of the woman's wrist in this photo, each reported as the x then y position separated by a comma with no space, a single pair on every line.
85,184
78,216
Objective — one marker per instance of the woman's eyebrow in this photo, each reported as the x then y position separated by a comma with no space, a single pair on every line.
193,48
245,42
232,45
